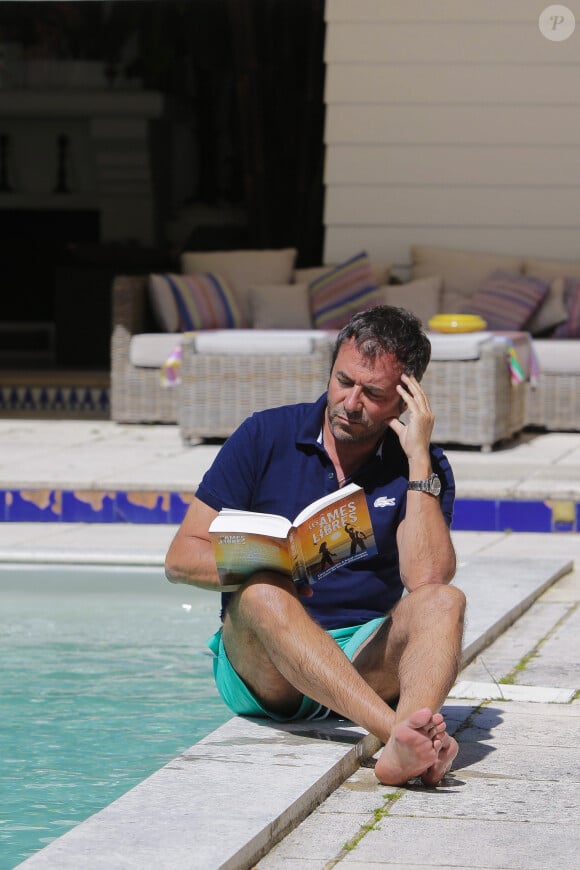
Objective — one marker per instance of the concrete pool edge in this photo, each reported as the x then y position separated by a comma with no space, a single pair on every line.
223,803
263,779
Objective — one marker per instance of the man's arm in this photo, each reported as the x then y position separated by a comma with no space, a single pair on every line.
190,556
426,552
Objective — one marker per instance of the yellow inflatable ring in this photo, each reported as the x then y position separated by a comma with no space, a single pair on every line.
457,323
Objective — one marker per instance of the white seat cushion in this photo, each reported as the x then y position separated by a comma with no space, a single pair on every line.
459,345
259,341
151,350
558,356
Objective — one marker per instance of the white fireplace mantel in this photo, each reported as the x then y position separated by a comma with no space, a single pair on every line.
108,158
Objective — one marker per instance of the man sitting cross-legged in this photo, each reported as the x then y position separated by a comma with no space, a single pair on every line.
352,643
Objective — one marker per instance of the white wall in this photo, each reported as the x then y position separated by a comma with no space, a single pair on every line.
452,123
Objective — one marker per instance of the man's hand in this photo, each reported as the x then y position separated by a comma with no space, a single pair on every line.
426,553
416,435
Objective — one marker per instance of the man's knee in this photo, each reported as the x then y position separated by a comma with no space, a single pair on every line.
263,596
437,599
448,597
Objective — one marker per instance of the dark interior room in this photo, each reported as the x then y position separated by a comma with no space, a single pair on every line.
132,130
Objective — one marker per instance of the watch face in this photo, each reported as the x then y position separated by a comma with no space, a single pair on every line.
435,487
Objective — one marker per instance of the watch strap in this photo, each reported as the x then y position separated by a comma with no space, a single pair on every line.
431,485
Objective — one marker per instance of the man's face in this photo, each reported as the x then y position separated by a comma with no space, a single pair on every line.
362,395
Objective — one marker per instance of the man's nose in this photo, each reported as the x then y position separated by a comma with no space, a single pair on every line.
352,400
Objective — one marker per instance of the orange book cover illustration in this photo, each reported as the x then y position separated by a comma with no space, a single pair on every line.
331,532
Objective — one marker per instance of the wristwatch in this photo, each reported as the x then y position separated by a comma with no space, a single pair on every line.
432,485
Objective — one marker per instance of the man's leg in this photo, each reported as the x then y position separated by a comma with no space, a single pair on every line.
416,654
282,654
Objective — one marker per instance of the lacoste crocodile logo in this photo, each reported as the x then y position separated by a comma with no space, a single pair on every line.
384,501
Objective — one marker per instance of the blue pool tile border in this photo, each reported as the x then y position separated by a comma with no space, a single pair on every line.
92,506
147,507
516,515
477,515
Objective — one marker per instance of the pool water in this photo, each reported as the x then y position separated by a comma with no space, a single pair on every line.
105,677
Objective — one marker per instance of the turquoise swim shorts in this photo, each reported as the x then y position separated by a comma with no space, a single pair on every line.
240,699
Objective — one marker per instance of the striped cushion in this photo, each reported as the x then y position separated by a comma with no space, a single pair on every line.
340,293
571,327
507,300
202,301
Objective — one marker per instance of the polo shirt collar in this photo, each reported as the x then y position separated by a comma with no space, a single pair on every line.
309,431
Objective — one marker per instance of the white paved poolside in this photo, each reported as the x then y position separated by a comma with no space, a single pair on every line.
512,799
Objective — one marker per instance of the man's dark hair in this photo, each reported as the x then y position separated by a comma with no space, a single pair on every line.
386,329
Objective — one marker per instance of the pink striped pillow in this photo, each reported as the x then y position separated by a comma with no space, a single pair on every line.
507,300
571,327
202,301
341,292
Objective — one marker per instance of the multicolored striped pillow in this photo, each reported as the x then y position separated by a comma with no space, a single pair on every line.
571,327
341,292
203,301
507,300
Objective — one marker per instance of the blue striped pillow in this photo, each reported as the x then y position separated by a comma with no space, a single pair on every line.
507,300
341,292
203,301
571,327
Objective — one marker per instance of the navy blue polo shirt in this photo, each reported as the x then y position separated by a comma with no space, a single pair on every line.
274,463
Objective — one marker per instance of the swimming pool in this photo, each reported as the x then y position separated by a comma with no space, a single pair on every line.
105,677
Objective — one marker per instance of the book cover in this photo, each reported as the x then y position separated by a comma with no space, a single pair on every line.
332,531
336,535
240,554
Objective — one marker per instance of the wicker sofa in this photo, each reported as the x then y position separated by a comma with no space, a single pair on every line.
225,378
219,387
271,294
146,328
552,400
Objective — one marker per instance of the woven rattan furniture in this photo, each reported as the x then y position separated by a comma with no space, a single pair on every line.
223,384
474,400
554,403
136,392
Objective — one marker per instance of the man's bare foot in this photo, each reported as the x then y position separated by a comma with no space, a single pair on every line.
445,757
412,749
435,726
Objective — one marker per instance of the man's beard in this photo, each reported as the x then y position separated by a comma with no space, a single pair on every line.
352,429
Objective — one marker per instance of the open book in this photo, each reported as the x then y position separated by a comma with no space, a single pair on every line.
329,533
